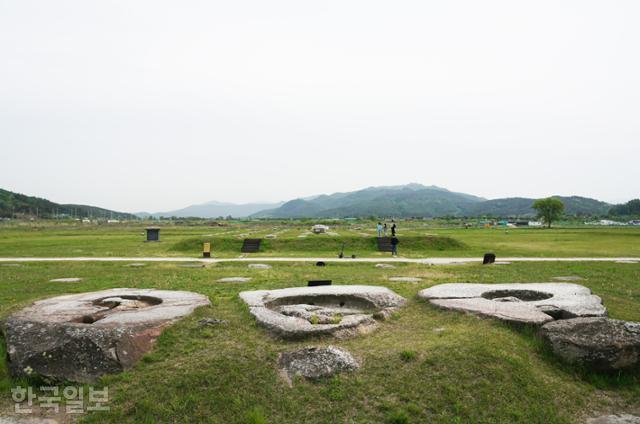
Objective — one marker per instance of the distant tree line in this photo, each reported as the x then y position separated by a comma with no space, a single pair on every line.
631,208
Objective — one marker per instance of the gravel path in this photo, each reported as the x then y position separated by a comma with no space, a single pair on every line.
433,261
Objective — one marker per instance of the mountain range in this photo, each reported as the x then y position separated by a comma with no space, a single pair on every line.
213,210
411,200
416,200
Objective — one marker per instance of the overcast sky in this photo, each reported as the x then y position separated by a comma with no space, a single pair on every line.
155,105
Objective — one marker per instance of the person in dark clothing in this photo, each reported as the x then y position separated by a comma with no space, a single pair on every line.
394,245
393,230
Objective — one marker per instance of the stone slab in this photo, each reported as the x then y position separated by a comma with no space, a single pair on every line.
405,279
341,311
81,337
535,303
234,280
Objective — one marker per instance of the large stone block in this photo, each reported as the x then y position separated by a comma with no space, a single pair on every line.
81,337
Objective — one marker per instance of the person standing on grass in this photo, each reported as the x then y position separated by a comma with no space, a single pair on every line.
393,230
379,228
385,229
394,245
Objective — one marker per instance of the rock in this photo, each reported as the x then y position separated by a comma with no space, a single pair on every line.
502,263
406,279
65,280
536,303
615,419
81,337
212,321
341,311
26,420
385,266
234,280
136,265
316,362
259,266
271,236
625,261
599,344
568,278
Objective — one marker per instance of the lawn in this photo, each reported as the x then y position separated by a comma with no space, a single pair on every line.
469,370
417,239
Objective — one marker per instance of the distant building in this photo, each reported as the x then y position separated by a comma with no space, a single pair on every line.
319,229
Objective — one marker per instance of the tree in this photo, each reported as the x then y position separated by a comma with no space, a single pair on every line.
632,207
549,209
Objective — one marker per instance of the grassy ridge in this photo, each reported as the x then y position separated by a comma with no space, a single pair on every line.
327,245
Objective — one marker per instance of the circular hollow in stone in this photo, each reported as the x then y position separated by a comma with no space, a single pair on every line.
81,337
406,279
234,280
316,362
65,280
519,295
259,266
341,311
536,303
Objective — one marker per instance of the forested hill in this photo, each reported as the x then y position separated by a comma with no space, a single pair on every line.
415,200
18,205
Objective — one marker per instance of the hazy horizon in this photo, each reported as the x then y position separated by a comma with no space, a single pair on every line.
155,105
218,202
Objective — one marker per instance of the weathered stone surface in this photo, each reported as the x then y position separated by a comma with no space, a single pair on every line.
83,336
615,419
568,278
65,280
536,303
234,280
405,279
316,362
341,311
259,266
385,266
26,420
600,344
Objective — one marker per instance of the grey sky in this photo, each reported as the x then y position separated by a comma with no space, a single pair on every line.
154,105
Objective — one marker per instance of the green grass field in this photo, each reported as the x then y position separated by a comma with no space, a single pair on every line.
475,370
417,239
